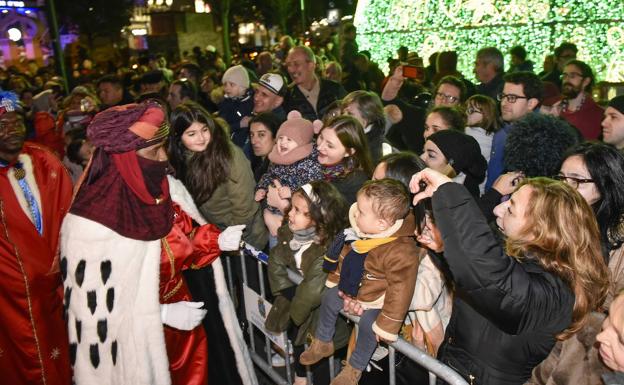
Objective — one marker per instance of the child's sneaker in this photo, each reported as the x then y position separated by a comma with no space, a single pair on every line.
347,376
317,351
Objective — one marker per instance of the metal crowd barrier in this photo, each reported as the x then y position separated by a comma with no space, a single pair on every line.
435,367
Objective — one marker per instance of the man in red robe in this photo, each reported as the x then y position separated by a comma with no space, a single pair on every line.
35,194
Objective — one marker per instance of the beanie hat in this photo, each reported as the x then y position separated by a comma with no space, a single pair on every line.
617,103
299,130
464,156
237,75
274,83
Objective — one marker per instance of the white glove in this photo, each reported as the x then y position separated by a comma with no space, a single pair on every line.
183,315
229,239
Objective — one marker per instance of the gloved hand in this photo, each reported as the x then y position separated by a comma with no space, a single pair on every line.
229,239
183,315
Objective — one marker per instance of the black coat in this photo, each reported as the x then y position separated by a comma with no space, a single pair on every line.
506,314
295,100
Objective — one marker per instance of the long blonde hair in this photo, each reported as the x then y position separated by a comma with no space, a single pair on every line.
562,234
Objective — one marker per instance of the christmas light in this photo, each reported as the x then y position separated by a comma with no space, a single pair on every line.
427,26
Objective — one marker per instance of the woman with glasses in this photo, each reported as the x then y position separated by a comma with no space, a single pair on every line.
482,121
596,171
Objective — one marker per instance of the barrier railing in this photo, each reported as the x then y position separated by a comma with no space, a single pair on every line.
435,367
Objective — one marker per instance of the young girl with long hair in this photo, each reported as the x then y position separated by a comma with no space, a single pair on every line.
216,173
317,212
523,297
482,121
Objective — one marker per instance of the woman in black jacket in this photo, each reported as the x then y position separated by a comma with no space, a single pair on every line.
512,304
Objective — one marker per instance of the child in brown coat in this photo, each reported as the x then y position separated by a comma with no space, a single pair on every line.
379,268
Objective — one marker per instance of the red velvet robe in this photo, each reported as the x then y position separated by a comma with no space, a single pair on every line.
33,335
186,247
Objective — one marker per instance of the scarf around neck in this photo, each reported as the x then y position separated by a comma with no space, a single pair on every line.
126,194
302,237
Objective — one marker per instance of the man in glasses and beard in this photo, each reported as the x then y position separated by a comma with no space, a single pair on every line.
577,106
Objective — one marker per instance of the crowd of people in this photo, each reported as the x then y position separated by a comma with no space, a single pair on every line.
481,222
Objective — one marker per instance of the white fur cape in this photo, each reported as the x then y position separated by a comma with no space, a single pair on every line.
111,294
105,273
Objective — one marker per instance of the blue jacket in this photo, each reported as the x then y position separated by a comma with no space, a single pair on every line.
497,154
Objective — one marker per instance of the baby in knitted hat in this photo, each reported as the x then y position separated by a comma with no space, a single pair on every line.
238,103
293,163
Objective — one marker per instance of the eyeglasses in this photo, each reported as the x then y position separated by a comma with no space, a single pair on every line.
511,98
473,110
448,98
572,181
571,75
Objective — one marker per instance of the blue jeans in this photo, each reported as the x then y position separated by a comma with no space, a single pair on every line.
366,341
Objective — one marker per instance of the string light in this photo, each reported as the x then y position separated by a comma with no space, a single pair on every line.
427,26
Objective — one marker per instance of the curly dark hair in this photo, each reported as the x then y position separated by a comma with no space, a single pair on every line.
536,145
328,210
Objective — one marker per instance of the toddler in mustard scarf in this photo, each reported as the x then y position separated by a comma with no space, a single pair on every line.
378,267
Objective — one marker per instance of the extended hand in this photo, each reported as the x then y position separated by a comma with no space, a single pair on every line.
183,315
229,239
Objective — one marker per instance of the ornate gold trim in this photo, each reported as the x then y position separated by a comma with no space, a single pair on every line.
27,286
173,291
170,256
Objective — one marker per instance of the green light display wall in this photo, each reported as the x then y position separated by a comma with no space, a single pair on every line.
427,26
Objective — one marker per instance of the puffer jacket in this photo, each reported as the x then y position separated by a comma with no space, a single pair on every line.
506,313
303,307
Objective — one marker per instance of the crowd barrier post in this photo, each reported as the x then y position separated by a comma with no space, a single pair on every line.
436,368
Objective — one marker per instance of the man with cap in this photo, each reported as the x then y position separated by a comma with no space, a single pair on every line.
269,95
35,194
613,123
